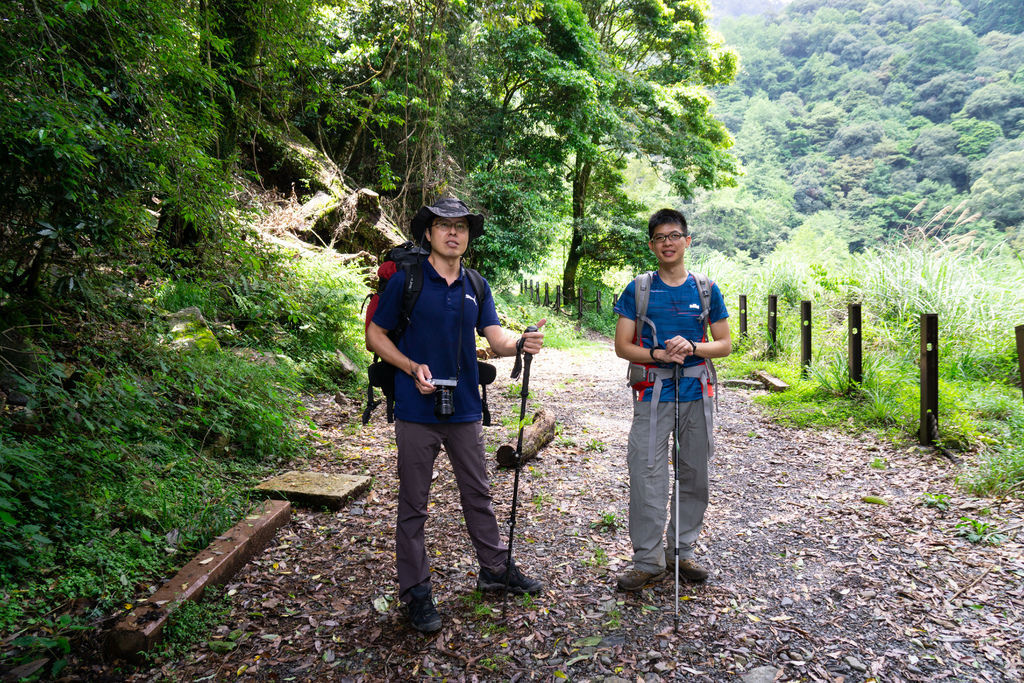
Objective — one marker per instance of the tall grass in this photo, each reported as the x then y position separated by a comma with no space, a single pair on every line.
978,295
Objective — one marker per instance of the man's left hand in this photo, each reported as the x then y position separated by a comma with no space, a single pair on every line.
533,341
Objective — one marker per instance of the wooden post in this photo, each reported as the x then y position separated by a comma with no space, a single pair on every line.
615,300
805,338
855,344
598,302
579,305
1020,353
558,297
929,379
522,286
743,315
547,298
773,324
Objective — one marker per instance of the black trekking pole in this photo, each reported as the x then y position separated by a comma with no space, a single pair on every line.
525,367
675,469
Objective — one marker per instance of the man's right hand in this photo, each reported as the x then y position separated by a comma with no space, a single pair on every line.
678,349
421,374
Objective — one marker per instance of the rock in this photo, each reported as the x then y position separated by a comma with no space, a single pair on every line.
190,331
762,674
16,398
855,663
348,368
786,602
221,646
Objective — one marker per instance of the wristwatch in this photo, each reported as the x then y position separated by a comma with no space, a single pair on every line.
652,355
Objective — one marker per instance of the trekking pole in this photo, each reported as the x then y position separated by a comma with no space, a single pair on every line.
675,469
518,455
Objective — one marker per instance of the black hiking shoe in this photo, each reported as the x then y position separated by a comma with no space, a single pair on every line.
517,582
422,614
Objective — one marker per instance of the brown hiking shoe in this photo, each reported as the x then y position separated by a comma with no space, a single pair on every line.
635,579
688,569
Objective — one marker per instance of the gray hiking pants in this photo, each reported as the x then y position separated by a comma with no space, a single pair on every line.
418,446
650,483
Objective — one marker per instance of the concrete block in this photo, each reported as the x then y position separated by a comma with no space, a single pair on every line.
315,489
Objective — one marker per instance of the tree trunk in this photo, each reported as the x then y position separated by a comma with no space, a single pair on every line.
535,437
580,182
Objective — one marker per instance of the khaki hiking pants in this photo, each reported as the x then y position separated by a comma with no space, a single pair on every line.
651,484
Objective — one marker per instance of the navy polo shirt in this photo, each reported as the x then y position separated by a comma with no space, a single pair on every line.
676,312
432,337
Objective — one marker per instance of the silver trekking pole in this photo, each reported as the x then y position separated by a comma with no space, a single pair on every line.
523,394
675,469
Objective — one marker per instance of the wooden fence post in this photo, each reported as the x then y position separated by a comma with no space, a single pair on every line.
855,358
805,338
547,299
929,379
743,315
598,301
579,306
773,326
558,297
1020,353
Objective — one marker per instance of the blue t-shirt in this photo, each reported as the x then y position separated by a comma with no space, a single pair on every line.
432,338
675,311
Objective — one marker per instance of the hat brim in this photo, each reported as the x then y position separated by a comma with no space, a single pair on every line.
425,216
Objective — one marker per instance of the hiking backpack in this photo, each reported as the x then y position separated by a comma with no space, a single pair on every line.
642,290
409,257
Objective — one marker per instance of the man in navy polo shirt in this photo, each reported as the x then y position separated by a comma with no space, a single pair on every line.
438,344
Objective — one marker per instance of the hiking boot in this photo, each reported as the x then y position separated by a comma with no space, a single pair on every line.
518,583
635,579
422,614
688,569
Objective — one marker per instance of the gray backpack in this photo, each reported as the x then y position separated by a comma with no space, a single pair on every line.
637,372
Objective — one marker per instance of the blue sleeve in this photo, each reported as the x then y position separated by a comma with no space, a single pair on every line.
488,314
626,305
718,309
390,305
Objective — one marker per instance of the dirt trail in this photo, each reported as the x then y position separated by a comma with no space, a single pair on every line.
809,581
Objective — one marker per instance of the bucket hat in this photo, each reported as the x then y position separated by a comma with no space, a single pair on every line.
446,207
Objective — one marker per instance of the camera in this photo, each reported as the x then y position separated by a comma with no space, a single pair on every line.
444,398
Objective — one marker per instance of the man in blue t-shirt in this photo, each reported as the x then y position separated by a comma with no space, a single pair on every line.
437,350
672,352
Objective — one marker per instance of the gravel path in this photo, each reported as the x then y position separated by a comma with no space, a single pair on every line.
809,581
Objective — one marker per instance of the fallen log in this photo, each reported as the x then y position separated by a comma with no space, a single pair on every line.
535,437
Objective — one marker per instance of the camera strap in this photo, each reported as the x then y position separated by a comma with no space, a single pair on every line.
462,319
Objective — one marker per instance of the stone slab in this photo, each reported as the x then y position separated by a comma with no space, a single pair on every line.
315,489
770,382
742,384
141,629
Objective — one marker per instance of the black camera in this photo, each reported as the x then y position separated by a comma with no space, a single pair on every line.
444,398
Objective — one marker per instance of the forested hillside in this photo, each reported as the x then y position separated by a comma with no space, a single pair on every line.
858,118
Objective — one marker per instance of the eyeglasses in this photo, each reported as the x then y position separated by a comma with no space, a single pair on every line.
446,226
671,237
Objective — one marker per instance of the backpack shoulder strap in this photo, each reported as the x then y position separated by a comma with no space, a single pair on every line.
642,292
410,293
704,289
476,281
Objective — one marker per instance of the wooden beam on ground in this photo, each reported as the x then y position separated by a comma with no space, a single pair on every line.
770,382
142,627
535,437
